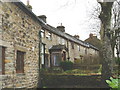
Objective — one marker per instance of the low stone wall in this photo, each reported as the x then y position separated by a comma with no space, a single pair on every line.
71,80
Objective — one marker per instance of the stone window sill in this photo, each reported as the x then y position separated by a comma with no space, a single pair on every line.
20,74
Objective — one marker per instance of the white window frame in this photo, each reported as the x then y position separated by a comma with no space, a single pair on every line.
42,33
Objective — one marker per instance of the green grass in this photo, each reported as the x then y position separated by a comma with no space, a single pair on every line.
76,72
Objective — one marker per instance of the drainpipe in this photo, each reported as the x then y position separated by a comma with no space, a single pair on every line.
43,66
39,62
68,49
44,54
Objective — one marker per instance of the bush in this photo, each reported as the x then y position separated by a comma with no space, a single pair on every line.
113,83
66,65
117,60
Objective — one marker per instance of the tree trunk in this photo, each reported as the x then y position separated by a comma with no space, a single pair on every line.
107,62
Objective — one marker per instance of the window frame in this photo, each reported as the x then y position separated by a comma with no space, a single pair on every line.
86,51
63,41
78,47
72,45
20,61
43,54
3,60
42,33
49,36
59,40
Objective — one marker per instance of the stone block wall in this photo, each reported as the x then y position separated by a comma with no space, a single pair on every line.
19,32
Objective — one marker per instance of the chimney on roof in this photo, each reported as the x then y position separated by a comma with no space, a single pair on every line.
91,35
61,28
28,5
77,36
43,17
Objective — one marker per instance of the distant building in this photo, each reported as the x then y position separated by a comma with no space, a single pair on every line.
93,40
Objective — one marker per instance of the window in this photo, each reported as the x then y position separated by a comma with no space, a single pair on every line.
72,44
86,51
63,41
78,47
64,56
2,60
59,40
49,36
42,54
20,62
42,33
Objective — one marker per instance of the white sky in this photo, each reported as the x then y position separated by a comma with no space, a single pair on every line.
73,14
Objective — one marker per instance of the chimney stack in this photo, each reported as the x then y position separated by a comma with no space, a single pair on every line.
61,28
43,17
91,35
28,5
77,36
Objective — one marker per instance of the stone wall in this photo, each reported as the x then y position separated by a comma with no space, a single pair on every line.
71,81
19,32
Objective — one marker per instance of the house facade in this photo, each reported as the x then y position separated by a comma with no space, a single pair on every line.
19,46
57,46
93,40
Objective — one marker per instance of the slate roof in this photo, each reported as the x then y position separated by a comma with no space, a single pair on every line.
52,29
25,9
68,36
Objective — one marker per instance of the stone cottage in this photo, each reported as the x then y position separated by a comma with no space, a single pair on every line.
57,46
93,40
19,46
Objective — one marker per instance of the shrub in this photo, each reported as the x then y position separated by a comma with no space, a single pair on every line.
66,65
113,83
100,69
117,60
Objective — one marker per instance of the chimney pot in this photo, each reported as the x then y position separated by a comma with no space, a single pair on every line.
28,5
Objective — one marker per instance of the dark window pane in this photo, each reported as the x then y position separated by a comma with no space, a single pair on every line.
2,60
20,62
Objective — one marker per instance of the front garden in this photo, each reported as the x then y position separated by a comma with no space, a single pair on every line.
66,76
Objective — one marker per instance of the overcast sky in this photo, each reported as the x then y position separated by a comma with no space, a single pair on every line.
75,15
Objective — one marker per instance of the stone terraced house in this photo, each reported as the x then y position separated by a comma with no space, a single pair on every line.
27,42
57,46
19,46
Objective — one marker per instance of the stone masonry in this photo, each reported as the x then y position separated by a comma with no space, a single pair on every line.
19,31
